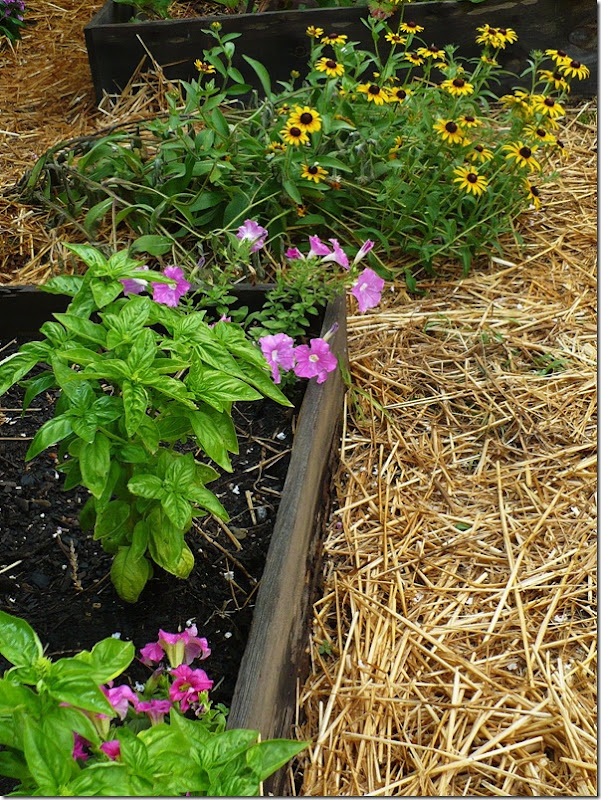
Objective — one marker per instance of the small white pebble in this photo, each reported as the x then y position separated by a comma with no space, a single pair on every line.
228,635
229,576
139,687
281,436
235,489
63,566
116,635
42,516
190,621
512,665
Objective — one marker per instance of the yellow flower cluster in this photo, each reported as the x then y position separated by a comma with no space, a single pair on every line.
498,38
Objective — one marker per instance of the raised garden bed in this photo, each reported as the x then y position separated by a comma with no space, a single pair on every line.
273,655
278,39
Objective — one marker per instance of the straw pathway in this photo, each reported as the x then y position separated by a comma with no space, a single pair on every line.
454,649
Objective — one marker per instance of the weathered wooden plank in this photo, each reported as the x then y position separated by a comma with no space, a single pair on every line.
275,656
279,41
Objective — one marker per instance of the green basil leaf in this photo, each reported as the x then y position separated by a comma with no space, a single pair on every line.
104,293
72,681
146,485
94,463
135,403
19,643
264,758
177,509
206,499
111,519
46,759
129,574
108,659
84,328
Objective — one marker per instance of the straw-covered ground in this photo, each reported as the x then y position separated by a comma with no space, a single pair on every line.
454,648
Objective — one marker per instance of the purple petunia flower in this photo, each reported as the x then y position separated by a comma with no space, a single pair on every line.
155,709
314,360
167,294
152,652
80,746
180,648
338,255
318,248
120,697
135,285
293,253
368,289
112,749
188,684
254,233
278,350
363,251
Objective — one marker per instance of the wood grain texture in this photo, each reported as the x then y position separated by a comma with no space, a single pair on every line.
279,41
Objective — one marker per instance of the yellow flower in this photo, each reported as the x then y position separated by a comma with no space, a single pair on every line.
432,51
395,38
398,141
301,211
559,146
457,87
480,153
547,106
283,110
574,69
491,61
292,134
414,59
216,25
469,121
294,73
276,147
498,38
410,27
557,80
533,194
334,69
314,32
507,35
398,95
539,135
520,100
335,38
307,119
375,94
469,179
202,66
559,56
449,130
313,173
522,155
487,35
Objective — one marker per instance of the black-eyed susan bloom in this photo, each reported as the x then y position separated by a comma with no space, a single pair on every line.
398,94
492,62
574,69
457,87
203,67
374,93
539,135
480,153
294,135
533,194
314,32
449,130
506,36
395,38
470,180
335,38
547,106
431,51
555,79
559,56
469,121
331,67
523,155
276,147
486,35
410,27
313,172
414,59
305,118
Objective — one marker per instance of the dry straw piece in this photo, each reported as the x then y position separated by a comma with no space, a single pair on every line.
454,649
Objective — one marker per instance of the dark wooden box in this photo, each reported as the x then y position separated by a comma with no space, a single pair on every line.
275,658
278,38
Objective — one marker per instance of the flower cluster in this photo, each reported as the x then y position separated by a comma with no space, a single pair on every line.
314,360
168,294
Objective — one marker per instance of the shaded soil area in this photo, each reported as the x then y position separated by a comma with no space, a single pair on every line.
57,577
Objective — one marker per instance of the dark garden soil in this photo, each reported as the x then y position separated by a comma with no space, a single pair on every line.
57,577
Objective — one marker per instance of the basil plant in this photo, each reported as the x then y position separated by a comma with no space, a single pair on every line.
135,377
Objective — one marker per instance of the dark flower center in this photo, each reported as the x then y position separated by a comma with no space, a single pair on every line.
549,102
411,24
433,48
479,148
306,118
459,83
330,64
294,131
562,53
373,89
575,64
471,177
557,75
332,35
502,31
534,191
313,170
541,132
469,118
451,127
401,93
525,152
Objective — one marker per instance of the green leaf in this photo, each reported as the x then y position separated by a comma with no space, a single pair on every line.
165,541
262,74
94,463
129,574
63,284
292,191
135,402
111,519
146,485
70,680
143,352
15,367
219,390
153,244
89,255
84,328
47,761
177,509
19,643
262,380
13,765
265,758
132,454
14,698
35,387
149,434
95,214
108,659
208,432
102,780
171,388
236,209
104,293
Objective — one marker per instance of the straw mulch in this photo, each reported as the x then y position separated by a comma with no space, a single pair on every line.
454,649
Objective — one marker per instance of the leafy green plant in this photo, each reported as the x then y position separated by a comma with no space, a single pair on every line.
401,139
64,733
148,8
11,19
135,377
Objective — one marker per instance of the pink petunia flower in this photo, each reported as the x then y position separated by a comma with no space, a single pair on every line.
187,686
368,289
222,318
363,251
278,350
314,360
254,233
112,749
318,248
120,697
293,253
135,285
183,648
155,709
151,653
80,746
167,294
338,255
